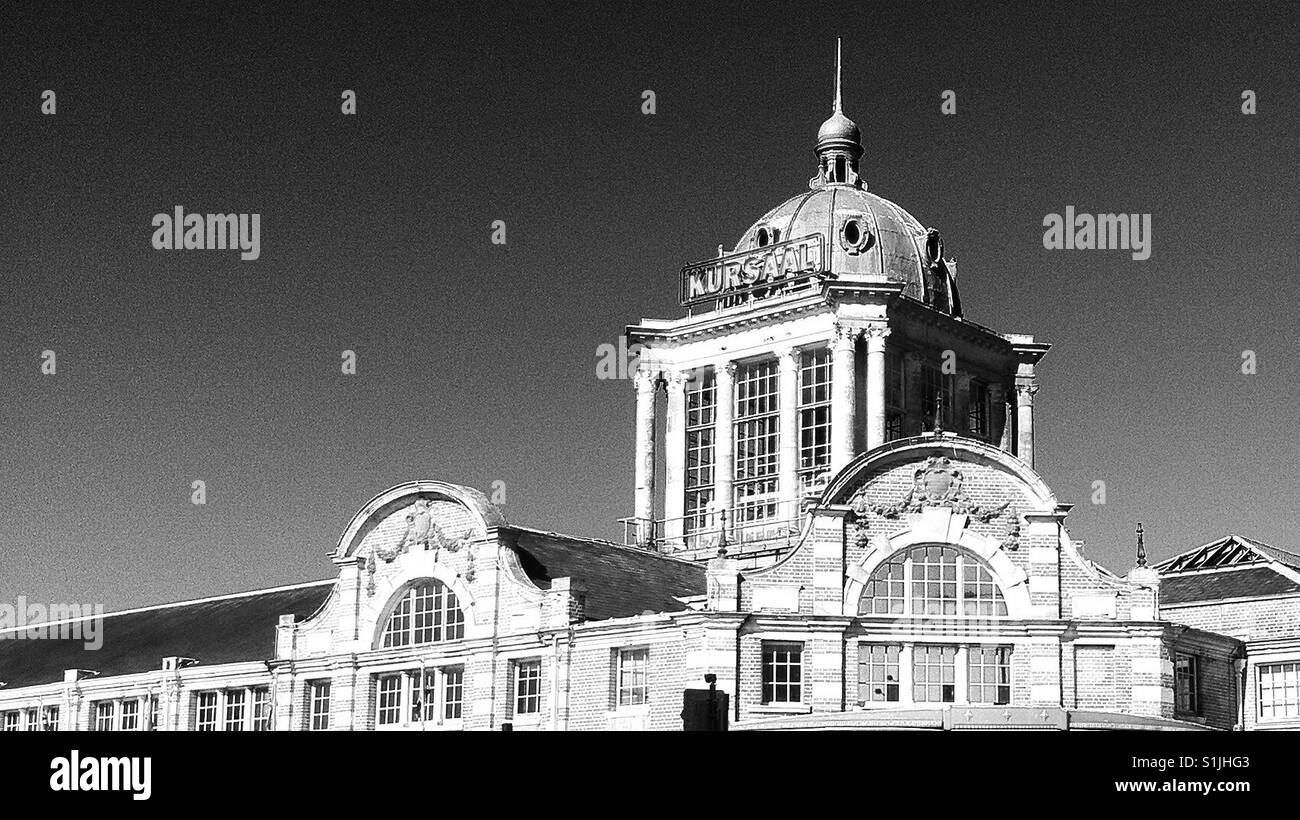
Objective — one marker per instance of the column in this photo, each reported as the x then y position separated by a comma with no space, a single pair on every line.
675,458
724,374
876,334
1025,421
961,675
645,455
843,415
788,361
905,673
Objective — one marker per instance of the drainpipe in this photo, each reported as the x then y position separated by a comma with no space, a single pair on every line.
1239,664
275,693
496,619
554,643
568,674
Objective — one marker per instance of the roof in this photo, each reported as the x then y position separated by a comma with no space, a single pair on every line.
1232,550
894,250
619,581
1214,586
1230,567
225,629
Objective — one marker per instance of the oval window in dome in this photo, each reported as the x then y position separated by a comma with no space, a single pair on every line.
764,238
853,236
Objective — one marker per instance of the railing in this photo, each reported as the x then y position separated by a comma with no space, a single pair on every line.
710,531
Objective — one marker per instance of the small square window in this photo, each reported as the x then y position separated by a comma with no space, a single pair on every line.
782,673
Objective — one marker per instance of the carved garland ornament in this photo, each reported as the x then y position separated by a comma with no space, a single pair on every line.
421,531
937,483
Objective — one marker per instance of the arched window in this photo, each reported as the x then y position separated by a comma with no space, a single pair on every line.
426,613
932,581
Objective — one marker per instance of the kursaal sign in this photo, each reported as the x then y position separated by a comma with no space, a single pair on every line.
779,264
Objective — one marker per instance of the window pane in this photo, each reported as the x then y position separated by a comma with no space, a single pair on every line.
782,673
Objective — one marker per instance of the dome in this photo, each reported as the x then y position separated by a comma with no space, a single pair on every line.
839,132
868,237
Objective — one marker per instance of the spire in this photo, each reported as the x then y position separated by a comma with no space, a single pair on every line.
1142,550
839,143
837,109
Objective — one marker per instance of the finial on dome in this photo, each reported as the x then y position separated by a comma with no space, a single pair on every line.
839,143
1142,548
837,75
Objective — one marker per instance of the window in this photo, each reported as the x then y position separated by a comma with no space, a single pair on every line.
236,703
261,709
977,410
934,674
925,581
11,721
105,715
757,442
887,590
528,687
1279,690
206,718
701,407
50,719
632,676
988,675
895,396
453,688
404,698
153,714
935,392
319,699
130,715
878,674
814,414
390,699
1187,684
782,673
33,718
427,613
226,710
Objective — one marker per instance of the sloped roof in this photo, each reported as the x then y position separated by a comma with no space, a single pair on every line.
1214,586
1232,550
619,581
213,631
1230,567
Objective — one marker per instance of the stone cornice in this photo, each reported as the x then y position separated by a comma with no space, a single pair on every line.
721,322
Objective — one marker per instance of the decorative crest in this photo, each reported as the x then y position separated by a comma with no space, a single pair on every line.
936,483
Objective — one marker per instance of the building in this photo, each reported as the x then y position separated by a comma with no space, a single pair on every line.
849,533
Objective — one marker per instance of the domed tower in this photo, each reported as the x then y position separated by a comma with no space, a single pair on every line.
832,327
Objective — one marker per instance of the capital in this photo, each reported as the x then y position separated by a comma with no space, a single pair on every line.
676,381
876,330
1025,392
788,356
644,380
845,335
724,371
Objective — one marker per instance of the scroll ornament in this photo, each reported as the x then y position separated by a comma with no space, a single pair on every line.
936,483
423,532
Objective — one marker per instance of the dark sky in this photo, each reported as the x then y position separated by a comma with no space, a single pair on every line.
477,362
